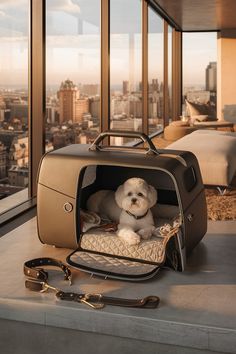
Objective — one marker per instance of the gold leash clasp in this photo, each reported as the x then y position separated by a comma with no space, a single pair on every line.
95,304
46,286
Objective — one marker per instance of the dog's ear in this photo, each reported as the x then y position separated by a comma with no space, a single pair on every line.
119,195
152,195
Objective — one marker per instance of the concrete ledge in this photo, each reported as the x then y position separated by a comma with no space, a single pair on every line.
197,309
47,340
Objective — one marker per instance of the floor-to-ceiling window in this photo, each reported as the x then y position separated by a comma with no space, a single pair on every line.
72,72
199,71
155,71
14,153
125,65
74,56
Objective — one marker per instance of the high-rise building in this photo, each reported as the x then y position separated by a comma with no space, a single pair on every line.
18,176
199,96
125,87
19,152
67,96
71,106
81,108
211,76
155,85
19,110
94,106
3,160
90,89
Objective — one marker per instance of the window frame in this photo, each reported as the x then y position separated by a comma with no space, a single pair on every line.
37,83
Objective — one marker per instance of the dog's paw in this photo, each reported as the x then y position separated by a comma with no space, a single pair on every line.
129,236
146,233
132,239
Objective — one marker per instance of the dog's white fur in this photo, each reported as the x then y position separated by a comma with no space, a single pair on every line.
134,196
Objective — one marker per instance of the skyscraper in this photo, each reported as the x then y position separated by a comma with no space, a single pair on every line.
211,76
67,96
71,106
125,87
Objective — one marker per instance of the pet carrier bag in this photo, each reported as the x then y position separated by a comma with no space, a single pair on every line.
70,175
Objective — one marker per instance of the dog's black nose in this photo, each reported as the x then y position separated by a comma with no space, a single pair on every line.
134,200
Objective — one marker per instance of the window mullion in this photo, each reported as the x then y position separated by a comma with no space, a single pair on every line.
105,73
145,66
36,90
177,75
165,81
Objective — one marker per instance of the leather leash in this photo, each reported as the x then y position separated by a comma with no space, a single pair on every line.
38,282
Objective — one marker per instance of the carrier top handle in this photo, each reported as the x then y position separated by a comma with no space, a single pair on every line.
151,147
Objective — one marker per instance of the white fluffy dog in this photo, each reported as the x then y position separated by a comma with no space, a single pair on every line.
129,206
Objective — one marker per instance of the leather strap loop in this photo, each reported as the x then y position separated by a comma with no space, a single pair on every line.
32,268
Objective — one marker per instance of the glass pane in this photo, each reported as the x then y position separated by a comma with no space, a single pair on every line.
125,66
155,70
14,172
199,71
72,72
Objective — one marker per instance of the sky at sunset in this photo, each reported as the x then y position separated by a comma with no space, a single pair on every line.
73,50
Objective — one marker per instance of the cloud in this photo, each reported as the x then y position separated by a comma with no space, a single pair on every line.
12,4
64,5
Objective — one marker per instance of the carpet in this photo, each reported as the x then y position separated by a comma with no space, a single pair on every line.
221,207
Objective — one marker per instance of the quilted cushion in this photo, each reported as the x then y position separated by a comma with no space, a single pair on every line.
152,250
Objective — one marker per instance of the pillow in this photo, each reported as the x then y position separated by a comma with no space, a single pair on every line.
201,109
196,109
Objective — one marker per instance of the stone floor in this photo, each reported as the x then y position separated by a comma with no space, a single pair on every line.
197,312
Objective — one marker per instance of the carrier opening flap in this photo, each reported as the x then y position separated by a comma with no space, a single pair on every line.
109,266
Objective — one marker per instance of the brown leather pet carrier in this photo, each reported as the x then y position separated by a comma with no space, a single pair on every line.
70,175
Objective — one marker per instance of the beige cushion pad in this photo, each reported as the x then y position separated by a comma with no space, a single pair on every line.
152,250
216,154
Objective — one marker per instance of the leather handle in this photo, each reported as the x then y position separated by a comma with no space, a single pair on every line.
116,133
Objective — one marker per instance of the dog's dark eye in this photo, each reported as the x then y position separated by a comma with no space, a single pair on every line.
129,194
140,194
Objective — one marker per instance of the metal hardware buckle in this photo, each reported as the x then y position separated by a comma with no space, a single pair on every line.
86,300
46,286
69,278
